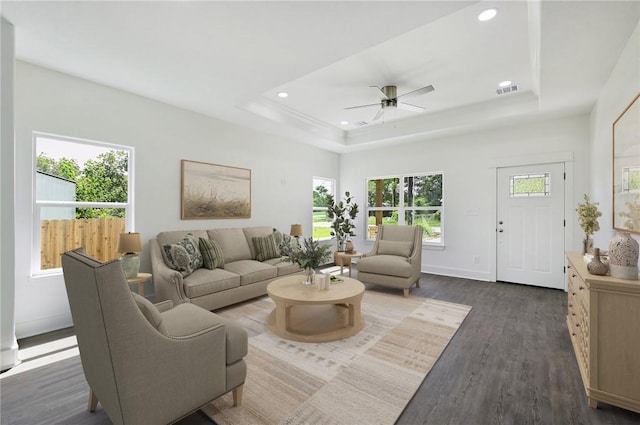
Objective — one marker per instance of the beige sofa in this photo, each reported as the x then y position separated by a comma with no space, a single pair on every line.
240,278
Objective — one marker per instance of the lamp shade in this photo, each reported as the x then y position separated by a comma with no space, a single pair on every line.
296,230
129,243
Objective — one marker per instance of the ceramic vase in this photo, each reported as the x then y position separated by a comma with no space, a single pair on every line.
596,266
623,256
348,247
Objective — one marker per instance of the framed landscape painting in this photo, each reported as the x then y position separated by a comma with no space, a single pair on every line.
212,191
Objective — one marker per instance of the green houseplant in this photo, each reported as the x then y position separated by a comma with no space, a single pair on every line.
310,256
342,215
588,219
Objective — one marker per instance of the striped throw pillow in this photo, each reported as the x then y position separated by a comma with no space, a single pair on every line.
265,247
212,256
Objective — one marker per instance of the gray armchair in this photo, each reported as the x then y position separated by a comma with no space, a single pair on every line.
146,363
395,258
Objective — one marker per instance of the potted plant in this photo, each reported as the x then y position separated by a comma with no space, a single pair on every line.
588,219
309,255
342,215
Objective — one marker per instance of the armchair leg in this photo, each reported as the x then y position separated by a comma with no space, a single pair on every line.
405,292
237,396
93,401
418,283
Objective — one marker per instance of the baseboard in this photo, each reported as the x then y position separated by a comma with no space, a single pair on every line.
43,325
455,272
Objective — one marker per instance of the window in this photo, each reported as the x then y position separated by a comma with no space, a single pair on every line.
529,185
321,224
407,199
82,198
630,179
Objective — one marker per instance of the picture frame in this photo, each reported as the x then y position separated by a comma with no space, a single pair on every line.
626,168
213,191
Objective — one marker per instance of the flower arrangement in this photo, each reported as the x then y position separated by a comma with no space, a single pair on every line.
588,214
310,255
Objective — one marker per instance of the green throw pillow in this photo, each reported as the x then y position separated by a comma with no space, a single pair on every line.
265,247
211,251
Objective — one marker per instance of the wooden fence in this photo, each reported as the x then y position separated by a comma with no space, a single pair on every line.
99,236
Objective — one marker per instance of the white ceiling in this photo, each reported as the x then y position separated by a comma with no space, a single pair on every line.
230,59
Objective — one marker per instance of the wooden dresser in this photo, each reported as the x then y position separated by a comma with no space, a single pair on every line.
604,324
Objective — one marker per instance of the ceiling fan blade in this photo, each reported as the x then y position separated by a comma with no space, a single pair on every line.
379,114
363,106
418,92
410,107
381,94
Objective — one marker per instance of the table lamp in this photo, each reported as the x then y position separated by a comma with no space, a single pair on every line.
129,245
296,232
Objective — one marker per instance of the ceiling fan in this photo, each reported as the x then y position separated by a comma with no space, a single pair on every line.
390,99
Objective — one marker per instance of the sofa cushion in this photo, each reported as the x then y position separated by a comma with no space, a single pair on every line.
402,249
212,255
254,232
183,256
150,312
204,281
265,247
251,271
283,267
389,265
233,243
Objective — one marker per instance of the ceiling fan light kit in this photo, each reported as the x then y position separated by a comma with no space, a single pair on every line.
389,99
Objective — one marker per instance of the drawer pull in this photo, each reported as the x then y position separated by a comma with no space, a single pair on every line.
577,325
573,275
581,288
570,305
573,334
573,314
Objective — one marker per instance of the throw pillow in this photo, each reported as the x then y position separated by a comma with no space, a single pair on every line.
402,249
265,247
150,312
212,256
183,256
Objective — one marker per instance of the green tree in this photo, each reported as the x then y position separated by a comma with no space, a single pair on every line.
320,196
103,180
64,167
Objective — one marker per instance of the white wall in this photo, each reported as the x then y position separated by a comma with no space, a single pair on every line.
468,163
622,86
8,343
162,135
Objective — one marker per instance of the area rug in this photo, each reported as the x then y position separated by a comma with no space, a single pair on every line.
367,378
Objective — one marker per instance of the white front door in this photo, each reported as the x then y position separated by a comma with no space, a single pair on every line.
530,225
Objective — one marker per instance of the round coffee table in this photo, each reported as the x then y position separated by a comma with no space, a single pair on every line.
308,314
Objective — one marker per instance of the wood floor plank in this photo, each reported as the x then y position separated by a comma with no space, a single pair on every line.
511,362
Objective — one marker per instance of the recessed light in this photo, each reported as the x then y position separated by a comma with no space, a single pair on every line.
344,122
505,83
283,94
487,14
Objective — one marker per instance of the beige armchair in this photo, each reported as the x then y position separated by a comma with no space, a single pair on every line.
395,258
148,365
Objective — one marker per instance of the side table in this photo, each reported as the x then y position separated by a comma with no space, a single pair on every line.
344,259
141,279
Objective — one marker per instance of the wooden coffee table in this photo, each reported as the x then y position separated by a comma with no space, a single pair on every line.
308,314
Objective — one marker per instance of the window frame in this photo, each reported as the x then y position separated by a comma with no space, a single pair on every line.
314,208
402,209
37,206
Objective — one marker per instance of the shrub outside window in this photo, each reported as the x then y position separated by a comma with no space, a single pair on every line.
407,199
322,188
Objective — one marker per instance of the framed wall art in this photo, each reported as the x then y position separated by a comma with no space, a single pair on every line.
211,191
626,168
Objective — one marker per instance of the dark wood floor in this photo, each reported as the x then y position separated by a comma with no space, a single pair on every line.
510,362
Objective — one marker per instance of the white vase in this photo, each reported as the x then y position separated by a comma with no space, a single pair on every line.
623,256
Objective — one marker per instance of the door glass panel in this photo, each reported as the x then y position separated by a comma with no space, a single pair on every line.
528,185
